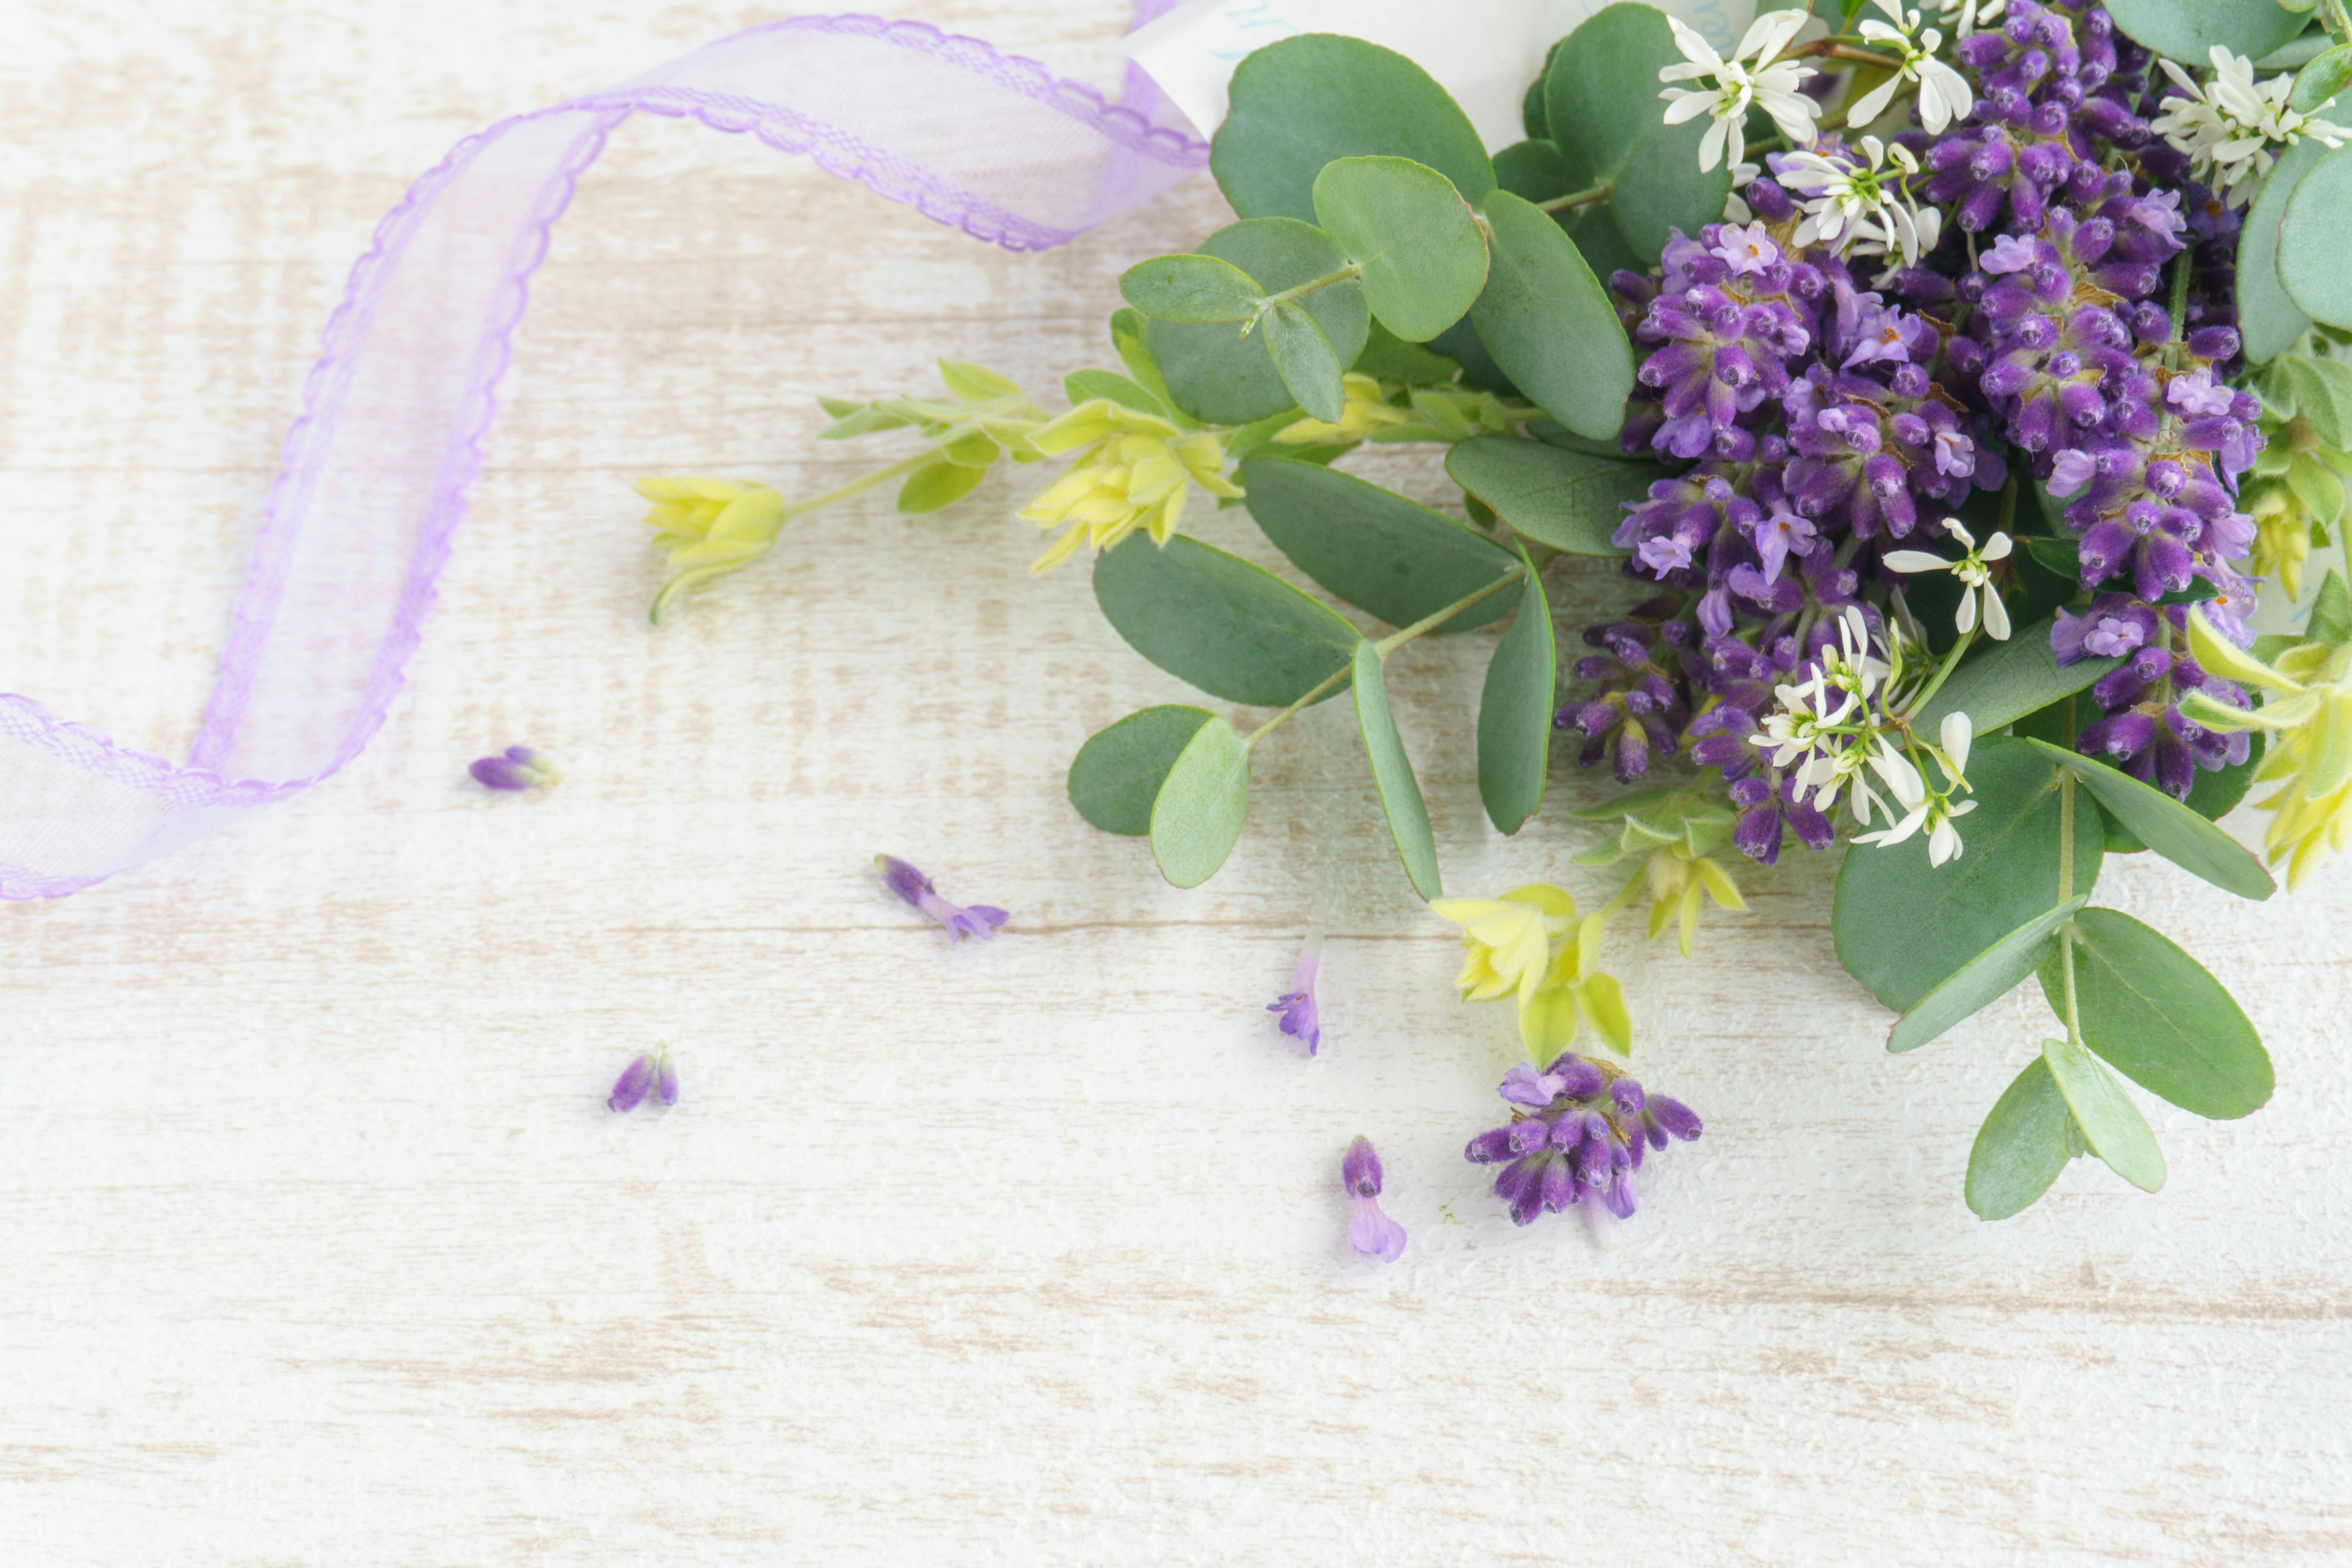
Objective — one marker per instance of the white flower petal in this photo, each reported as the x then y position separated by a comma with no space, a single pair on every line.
1959,731
1914,561
1996,615
1874,103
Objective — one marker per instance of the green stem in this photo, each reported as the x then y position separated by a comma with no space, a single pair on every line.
2177,308
1951,662
1385,646
2066,891
1599,193
1341,275
2337,21
1830,49
867,482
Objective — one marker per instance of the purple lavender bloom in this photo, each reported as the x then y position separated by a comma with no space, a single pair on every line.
1300,1020
2116,624
629,1089
518,767
665,1077
1578,1134
911,885
1371,1231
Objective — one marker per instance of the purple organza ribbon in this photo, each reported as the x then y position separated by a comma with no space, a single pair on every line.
376,469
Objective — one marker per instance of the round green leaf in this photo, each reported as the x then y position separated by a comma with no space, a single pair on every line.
1902,926
1230,628
1303,358
2023,1146
1296,104
2004,681
1550,322
1514,711
2270,322
1987,978
1400,792
1564,499
1215,374
2111,1124
2188,29
1196,818
1118,772
1601,107
2166,826
1372,547
1191,288
1417,239
1538,172
2315,254
2164,1022
2322,79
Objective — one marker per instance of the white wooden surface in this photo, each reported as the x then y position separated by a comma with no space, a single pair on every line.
322,1249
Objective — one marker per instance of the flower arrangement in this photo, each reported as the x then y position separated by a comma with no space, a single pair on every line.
1942,386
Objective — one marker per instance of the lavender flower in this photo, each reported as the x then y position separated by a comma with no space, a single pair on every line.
1578,1132
1301,1019
1371,1231
911,885
651,1072
518,767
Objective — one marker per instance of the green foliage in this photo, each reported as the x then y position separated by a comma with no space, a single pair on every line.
1129,330
2331,613
2315,238
1600,105
1372,547
940,484
1417,241
1117,775
1903,927
1983,980
2188,29
2321,79
2164,825
1564,499
1400,792
1085,385
1212,372
2110,1124
2004,681
1196,818
1548,322
1298,104
1514,711
2023,1146
1388,357
2166,1024
1303,357
2317,391
1232,629
1538,172
1189,288
1648,820
2271,322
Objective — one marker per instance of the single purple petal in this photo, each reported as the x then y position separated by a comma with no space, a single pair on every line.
629,1089
1675,1116
1374,1233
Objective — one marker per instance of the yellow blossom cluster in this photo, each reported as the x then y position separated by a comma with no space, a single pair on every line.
1529,945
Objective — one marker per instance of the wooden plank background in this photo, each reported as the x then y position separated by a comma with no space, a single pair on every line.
322,1249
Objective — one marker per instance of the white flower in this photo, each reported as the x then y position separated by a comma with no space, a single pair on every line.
2229,126
1964,15
1752,75
1859,202
1975,572
1944,95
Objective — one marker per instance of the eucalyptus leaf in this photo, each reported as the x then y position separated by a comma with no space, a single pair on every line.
1388,357
2320,81
1299,103
1600,105
2004,681
1232,629
1550,323
1514,711
1417,241
1538,172
2315,254
2269,323
1196,818
1400,792
2166,826
1189,288
1564,499
1212,372
2187,30
1085,385
1903,927
1372,547
1984,980
1303,358
2023,1146
1459,344
2112,1125
937,485
2163,1023
1117,775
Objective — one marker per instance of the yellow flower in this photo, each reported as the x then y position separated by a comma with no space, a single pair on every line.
1364,412
2308,708
709,527
1437,413
1675,877
2282,536
1674,834
1138,472
1529,945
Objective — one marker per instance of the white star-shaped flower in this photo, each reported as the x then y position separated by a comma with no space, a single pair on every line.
1974,571
1944,95
1754,74
2230,126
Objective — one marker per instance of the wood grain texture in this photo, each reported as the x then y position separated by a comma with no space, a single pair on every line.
321,1248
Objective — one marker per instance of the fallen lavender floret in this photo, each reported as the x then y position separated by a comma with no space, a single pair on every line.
1371,1231
1300,1019
652,1072
518,767
979,919
1577,1136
